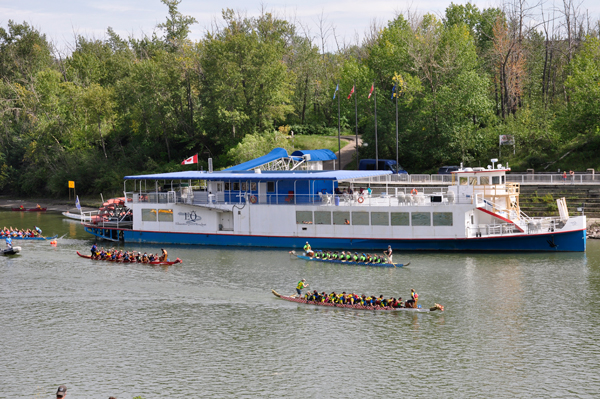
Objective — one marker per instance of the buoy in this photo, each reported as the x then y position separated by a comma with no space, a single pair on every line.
53,243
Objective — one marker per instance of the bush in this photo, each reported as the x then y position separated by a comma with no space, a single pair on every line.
313,130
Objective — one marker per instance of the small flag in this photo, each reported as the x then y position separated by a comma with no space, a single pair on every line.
371,92
337,87
351,93
393,92
77,204
190,160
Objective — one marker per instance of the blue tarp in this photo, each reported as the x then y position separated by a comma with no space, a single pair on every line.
228,175
274,155
316,155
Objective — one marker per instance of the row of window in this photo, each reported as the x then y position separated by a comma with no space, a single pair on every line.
375,218
483,180
236,186
153,215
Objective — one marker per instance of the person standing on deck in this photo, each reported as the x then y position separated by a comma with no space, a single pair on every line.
388,253
163,258
301,285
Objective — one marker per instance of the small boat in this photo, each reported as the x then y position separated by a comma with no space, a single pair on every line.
11,251
29,209
358,307
76,216
32,238
348,262
134,261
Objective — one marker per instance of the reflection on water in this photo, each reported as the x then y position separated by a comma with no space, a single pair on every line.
516,325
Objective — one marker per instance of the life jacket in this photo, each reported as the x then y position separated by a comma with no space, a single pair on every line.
300,285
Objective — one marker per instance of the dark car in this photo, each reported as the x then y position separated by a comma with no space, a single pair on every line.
446,170
384,164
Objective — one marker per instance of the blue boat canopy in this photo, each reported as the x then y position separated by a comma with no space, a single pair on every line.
228,175
274,155
316,155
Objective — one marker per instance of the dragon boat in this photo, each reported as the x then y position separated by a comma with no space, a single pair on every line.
29,209
293,298
347,262
167,263
31,238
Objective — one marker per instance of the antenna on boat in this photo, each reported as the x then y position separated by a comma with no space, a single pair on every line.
493,161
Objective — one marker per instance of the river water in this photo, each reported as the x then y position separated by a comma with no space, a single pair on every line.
515,325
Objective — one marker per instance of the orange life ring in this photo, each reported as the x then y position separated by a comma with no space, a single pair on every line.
414,191
361,200
253,199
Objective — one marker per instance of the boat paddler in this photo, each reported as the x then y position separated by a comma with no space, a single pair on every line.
301,285
163,258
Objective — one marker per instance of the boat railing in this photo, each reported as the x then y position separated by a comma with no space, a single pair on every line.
522,178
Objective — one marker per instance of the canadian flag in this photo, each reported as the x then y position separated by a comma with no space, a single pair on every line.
190,160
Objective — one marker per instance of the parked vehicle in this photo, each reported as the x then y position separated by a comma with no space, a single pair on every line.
447,170
384,164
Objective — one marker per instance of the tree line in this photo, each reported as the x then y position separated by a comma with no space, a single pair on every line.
120,106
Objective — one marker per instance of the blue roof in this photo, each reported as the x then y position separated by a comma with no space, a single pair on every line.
338,175
316,155
274,155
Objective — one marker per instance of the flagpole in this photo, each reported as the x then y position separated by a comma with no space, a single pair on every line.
396,94
376,146
339,138
356,122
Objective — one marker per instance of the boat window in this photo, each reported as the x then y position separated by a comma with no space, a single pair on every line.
341,218
244,186
495,179
442,218
165,215
421,218
253,186
463,181
227,186
360,218
322,217
270,186
483,180
400,219
304,217
148,215
472,181
220,186
503,179
236,186
380,219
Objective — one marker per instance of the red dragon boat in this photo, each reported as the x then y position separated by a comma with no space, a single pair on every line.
133,261
437,306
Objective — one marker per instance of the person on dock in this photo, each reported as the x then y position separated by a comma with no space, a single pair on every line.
388,253
301,285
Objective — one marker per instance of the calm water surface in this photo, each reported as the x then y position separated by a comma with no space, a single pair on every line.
515,325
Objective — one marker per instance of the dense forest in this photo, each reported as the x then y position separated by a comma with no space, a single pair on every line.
122,106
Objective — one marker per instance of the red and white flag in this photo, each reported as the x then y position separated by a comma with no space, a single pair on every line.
190,160
351,93
371,92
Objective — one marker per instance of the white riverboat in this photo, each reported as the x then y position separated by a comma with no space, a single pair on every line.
282,200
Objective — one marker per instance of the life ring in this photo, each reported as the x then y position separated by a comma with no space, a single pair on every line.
572,173
414,191
253,199
361,200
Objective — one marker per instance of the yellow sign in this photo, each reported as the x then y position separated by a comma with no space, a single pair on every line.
71,184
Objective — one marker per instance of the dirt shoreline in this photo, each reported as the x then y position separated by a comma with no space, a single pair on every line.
55,205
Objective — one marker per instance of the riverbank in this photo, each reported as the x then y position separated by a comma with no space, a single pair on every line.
56,205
